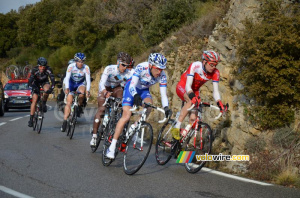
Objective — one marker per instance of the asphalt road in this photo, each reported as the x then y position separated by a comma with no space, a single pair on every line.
51,165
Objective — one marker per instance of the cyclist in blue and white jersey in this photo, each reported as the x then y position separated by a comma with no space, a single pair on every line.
77,79
137,89
112,83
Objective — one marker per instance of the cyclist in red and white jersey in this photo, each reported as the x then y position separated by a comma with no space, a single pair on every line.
190,82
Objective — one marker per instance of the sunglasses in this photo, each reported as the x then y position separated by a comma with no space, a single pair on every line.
125,65
154,67
212,64
42,66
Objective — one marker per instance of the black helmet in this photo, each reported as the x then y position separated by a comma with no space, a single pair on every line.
42,61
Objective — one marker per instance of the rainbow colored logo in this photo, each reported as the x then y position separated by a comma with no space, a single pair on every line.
185,156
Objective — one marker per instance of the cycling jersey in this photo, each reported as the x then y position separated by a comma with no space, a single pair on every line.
194,77
140,83
39,79
112,77
76,77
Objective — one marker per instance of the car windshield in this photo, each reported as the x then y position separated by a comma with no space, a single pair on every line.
16,86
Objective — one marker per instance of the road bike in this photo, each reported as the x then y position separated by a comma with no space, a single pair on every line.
113,110
38,115
135,141
74,114
198,138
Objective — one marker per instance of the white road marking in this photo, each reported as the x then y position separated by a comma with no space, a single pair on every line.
16,119
13,192
49,107
2,123
26,116
235,177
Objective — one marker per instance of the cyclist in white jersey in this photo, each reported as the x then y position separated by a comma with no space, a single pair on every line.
112,83
136,90
77,75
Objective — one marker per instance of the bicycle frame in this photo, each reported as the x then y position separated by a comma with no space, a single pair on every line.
141,120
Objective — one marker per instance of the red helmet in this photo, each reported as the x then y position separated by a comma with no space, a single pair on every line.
211,56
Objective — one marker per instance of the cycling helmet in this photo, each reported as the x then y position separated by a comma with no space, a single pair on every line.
79,56
71,61
124,58
158,60
42,61
211,56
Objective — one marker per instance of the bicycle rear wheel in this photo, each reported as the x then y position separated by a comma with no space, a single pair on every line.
108,136
72,122
165,143
137,149
194,144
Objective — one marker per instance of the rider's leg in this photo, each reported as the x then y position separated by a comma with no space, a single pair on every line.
149,109
67,112
46,87
119,128
98,117
81,89
32,109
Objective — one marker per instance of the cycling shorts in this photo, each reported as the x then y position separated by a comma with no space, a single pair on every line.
74,86
128,98
180,90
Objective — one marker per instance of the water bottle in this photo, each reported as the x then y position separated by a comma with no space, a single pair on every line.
105,120
131,129
186,130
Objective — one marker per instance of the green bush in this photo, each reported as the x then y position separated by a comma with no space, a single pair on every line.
269,67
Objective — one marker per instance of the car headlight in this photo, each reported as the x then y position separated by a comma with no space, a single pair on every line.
5,95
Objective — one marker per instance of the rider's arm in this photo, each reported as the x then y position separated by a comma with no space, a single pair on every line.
190,78
103,79
31,78
68,75
133,84
216,93
163,90
51,76
88,78
216,79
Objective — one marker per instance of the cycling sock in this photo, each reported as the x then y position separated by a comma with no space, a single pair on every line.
178,124
95,135
31,117
112,146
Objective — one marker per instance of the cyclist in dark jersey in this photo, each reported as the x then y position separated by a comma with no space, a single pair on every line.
39,77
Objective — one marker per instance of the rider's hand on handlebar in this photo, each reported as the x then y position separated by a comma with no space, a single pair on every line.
196,101
223,108
137,100
168,112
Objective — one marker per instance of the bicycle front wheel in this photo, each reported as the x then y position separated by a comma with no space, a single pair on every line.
40,118
165,143
200,144
100,133
35,119
138,148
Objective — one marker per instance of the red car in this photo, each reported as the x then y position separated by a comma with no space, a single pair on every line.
17,94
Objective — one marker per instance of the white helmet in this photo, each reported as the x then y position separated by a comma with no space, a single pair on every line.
158,60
